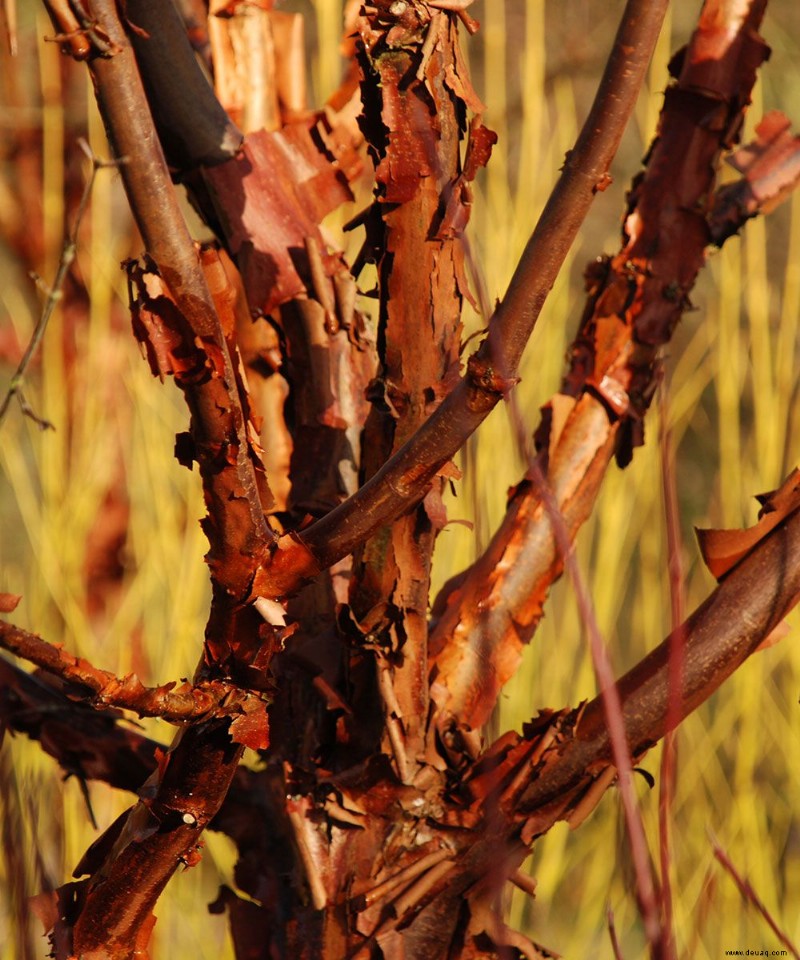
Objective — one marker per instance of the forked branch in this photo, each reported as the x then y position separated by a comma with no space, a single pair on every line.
491,372
635,302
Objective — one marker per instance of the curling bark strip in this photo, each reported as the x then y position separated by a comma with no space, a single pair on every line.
635,301
407,476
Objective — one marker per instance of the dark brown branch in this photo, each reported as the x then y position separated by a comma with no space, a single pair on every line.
718,637
192,126
407,475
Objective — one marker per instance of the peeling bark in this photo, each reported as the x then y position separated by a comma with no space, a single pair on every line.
635,301
415,90
407,476
378,825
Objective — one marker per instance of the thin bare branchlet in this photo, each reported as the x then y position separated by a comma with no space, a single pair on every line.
669,753
647,889
750,896
53,294
612,933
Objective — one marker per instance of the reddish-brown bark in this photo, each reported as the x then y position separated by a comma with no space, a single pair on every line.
421,283
490,374
378,826
634,302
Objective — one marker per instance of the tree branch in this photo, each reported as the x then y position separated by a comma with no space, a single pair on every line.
491,372
719,636
127,693
635,302
218,421
112,910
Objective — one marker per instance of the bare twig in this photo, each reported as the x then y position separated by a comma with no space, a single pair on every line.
676,657
646,888
750,896
612,932
127,693
402,877
54,295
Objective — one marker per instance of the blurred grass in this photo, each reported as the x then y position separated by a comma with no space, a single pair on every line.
732,409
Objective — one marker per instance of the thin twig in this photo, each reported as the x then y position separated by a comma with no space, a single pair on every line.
524,882
676,655
54,295
749,894
612,932
646,888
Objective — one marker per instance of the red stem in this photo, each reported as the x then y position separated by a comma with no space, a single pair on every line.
676,658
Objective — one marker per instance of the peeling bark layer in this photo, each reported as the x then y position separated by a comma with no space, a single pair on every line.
634,302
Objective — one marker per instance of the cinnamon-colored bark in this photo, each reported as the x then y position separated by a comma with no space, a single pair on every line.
420,282
409,473
378,825
635,301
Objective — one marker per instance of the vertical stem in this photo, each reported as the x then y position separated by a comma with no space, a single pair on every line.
413,126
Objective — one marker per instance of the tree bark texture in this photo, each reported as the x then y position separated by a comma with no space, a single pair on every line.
380,824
